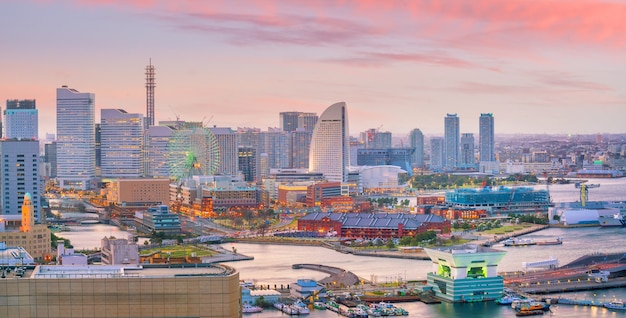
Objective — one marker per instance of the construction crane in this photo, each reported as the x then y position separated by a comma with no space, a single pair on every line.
584,191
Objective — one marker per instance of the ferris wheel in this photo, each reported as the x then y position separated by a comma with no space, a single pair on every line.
193,152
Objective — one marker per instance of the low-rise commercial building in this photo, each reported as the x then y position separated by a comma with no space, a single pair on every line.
114,291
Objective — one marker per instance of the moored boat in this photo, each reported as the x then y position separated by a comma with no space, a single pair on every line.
518,242
249,309
558,241
616,305
506,300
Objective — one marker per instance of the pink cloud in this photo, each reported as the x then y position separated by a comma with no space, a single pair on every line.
579,21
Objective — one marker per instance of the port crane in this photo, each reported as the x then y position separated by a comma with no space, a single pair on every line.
584,191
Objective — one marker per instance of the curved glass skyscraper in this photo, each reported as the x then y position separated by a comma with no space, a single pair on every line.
330,145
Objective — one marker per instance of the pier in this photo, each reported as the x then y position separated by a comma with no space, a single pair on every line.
338,276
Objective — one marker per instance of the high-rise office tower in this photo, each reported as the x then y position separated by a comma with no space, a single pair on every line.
50,161
121,144
436,153
21,119
307,121
98,146
300,144
486,138
373,138
156,155
451,138
229,150
150,84
416,141
277,145
76,139
330,144
20,175
289,121
467,159
247,163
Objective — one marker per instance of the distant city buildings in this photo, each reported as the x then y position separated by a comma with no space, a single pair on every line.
436,153
467,158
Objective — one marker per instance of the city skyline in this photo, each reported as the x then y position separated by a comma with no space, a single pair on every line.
539,67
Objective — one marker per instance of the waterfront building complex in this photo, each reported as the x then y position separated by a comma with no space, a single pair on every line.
329,153
121,142
76,139
158,219
500,200
465,273
121,291
372,225
21,120
20,175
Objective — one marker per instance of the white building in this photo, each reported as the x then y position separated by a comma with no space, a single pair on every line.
20,175
76,139
330,144
121,144
379,177
21,120
119,252
229,151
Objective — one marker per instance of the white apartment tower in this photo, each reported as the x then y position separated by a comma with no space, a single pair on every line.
330,144
76,139
21,119
121,138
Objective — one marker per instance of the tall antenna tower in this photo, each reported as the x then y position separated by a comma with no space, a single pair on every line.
150,84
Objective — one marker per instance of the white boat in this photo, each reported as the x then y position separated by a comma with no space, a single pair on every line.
288,309
519,242
249,309
616,305
301,307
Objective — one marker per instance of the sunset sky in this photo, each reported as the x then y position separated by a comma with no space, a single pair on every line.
540,66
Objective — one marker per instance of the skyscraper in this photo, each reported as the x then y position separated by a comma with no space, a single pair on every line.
330,144
436,153
300,144
76,157
289,121
150,84
156,155
247,163
451,137
416,140
277,145
307,121
467,160
486,138
21,119
121,144
229,150
20,175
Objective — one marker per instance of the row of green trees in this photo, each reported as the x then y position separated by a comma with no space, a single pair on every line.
445,181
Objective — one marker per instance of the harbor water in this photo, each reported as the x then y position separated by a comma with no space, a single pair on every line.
272,264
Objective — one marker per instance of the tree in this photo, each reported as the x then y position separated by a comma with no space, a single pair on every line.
390,243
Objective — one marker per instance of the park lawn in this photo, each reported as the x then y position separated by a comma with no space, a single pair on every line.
179,251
